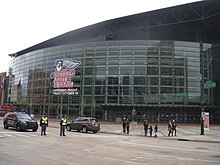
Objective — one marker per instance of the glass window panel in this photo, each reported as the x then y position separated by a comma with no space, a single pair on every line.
88,71
100,70
88,90
88,81
100,61
125,70
100,90
125,80
139,70
153,80
166,61
179,61
112,90
113,53
112,99
87,100
125,90
153,90
99,99
126,53
113,70
166,90
112,80
166,71
100,81
126,61
139,90
179,71
179,81
139,80
113,61
152,71
140,61
167,81
153,61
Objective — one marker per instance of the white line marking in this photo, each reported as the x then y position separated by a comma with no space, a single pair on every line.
8,135
22,135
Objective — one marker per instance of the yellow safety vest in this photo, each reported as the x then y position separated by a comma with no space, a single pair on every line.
64,121
44,120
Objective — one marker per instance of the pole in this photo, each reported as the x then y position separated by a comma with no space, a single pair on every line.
202,87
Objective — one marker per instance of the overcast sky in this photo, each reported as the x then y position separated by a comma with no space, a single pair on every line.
25,23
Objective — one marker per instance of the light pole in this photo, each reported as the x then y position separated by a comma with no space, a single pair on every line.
202,81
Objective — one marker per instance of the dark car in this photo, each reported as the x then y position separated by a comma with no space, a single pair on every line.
84,124
20,121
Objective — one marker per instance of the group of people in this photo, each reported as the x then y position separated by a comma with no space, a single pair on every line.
44,124
125,125
147,128
172,128
150,129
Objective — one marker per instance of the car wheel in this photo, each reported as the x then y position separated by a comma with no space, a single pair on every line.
34,130
18,127
95,131
68,128
84,129
5,126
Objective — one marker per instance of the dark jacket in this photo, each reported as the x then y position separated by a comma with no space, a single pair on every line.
145,125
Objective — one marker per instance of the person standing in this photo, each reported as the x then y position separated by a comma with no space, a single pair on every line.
63,123
169,128
124,125
145,127
44,124
155,130
127,126
174,127
151,130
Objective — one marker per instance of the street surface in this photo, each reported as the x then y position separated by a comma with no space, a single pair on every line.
76,148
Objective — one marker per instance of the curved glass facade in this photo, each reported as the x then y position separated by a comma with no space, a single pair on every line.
114,75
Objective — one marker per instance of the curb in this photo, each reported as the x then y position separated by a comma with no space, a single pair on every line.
164,138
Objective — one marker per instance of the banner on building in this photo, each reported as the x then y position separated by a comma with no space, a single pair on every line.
63,76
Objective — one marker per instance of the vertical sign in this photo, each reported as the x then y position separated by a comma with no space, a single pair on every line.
206,121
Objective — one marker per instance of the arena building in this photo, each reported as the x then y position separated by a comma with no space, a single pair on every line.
155,65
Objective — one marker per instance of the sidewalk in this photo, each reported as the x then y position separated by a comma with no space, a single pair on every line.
184,132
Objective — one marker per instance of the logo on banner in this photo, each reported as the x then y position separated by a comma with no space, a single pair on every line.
63,75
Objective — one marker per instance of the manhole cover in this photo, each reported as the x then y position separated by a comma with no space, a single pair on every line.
201,148
215,156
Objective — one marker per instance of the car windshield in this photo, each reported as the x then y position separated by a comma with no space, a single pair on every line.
23,116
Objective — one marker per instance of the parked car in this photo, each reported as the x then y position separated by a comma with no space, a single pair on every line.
84,124
20,121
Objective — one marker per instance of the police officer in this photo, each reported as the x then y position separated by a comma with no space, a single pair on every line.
44,124
63,123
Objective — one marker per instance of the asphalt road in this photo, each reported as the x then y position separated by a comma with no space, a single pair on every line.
30,148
